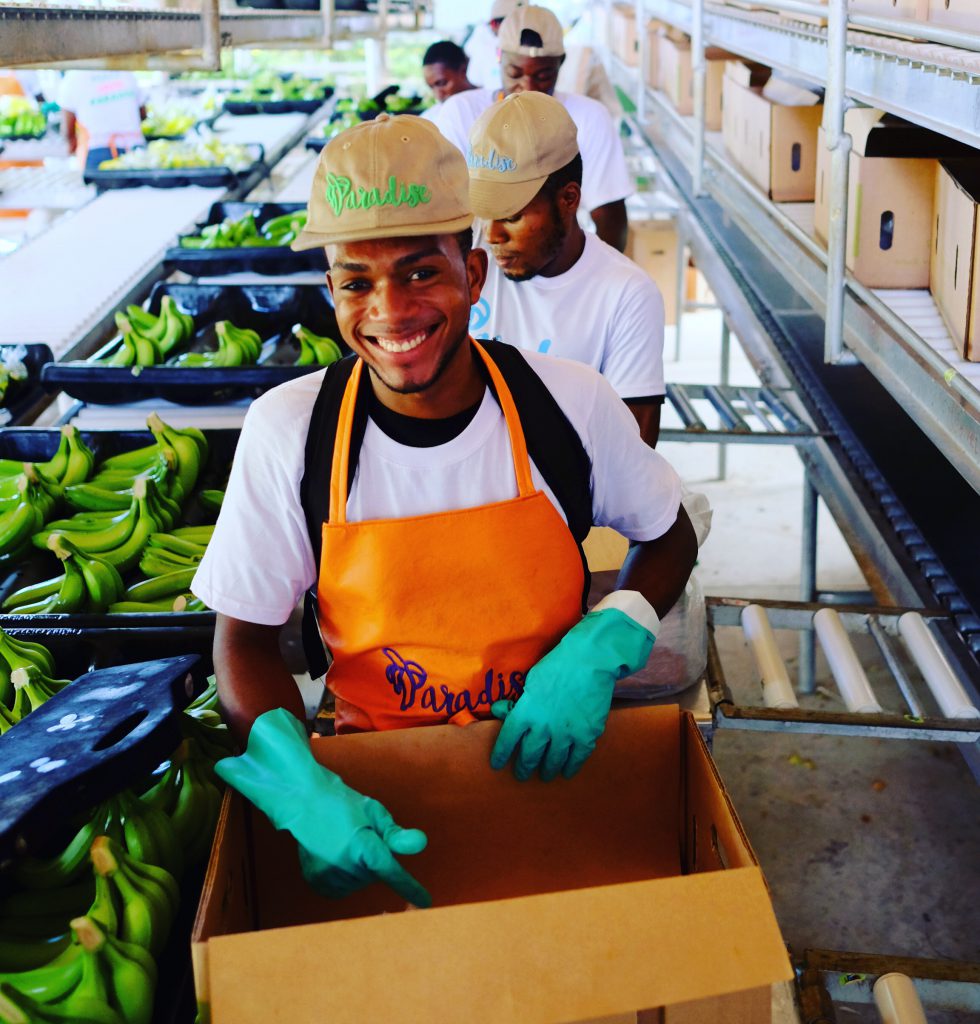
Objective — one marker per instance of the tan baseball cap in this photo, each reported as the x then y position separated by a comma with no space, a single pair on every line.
537,19
387,178
503,8
514,146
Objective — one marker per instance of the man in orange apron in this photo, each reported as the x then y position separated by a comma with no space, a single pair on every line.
449,584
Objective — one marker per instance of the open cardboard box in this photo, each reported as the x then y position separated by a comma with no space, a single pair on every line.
629,888
890,192
955,254
770,130
652,244
676,78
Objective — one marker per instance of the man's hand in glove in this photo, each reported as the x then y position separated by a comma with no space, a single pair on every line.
346,840
555,724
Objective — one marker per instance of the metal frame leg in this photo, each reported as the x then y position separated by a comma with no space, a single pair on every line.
724,374
681,288
808,580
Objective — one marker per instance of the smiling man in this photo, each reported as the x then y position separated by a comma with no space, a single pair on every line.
532,53
436,492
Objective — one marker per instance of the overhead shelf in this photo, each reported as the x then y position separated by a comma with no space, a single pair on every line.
935,86
33,34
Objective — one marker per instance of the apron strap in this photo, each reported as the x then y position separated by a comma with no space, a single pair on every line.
341,453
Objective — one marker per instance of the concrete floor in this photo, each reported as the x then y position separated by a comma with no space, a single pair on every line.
868,845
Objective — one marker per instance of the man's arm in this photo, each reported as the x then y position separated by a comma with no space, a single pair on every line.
251,674
69,130
611,223
647,414
659,569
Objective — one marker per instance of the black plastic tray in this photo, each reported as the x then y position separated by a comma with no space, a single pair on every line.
201,122
278,106
206,177
217,262
23,395
23,138
269,309
32,445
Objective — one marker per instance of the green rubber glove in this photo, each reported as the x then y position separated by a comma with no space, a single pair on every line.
555,723
346,840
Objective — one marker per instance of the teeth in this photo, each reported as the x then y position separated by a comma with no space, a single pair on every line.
389,345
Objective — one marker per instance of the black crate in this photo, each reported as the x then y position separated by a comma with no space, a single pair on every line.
258,260
30,445
23,395
206,177
269,309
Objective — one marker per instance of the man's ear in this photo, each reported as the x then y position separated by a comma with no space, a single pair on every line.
570,197
476,273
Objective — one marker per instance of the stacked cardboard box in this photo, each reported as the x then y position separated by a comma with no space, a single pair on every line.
954,268
891,185
770,130
630,887
652,244
963,14
622,31
910,10
676,77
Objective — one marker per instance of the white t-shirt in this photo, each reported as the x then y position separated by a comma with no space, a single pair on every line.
605,177
483,51
604,311
106,104
260,561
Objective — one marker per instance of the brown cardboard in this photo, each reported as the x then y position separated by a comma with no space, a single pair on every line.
964,14
578,900
676,78
623,32
652,244
910,10
775,144
955,254
891,186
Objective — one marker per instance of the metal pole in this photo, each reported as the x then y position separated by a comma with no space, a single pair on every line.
698,71
327,11
839,145
641,21
726,357
681,285
210,35
808,580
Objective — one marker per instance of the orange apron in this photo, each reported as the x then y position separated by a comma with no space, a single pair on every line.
432,618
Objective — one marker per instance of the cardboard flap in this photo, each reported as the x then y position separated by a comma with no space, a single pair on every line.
789,94
556,957
746,74
965,176
878,134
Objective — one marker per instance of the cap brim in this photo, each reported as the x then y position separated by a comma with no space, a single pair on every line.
495,200
308,239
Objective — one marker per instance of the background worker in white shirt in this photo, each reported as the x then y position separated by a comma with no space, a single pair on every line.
103,114
444,68
552,287
482,47
532,51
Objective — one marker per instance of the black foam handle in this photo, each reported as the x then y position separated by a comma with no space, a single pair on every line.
86,743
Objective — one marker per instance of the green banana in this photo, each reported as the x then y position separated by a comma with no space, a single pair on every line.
163,587
163,793
178,545
128,971
157,562
16,1008
136,460
210,500
248,340
81,460
62,903
207,699
162,606
32,686
66,867
195,813
103,584
142,873
70,597
314,348
21,653
196,534
90,531
35,592
187,447
124,353
51,981
18,523
147,834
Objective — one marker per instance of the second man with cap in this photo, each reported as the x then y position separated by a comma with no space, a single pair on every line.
532,52
552,287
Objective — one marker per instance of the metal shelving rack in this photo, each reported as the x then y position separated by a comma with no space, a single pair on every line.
933,85
182,39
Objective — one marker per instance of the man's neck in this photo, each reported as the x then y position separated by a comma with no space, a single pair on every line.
568,255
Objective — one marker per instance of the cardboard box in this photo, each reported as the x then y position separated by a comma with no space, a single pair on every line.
910,10
964,14
676,78
628,887
623,39
954,268
770,130
891,186
652,244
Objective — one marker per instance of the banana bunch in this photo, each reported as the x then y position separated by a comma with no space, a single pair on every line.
170,560
168,123
98,978
146,339
15,654
19,117
23,517
31,689
244,232
88,584
72,463
237,346
314,349
202,723
170,156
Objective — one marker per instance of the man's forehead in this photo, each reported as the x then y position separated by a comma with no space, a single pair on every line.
377,252
529,64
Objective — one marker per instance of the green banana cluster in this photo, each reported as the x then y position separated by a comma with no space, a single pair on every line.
315,350
170,560
88,584
237,346
20,117
146,339
244,232
72,463
17,656
26,514
210,501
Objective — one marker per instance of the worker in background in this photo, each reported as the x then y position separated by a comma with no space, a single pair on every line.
444,69
552,287
532,51
583,70
102,114
431,488
482,47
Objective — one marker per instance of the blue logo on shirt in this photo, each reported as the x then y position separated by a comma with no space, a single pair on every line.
408,681
479,315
